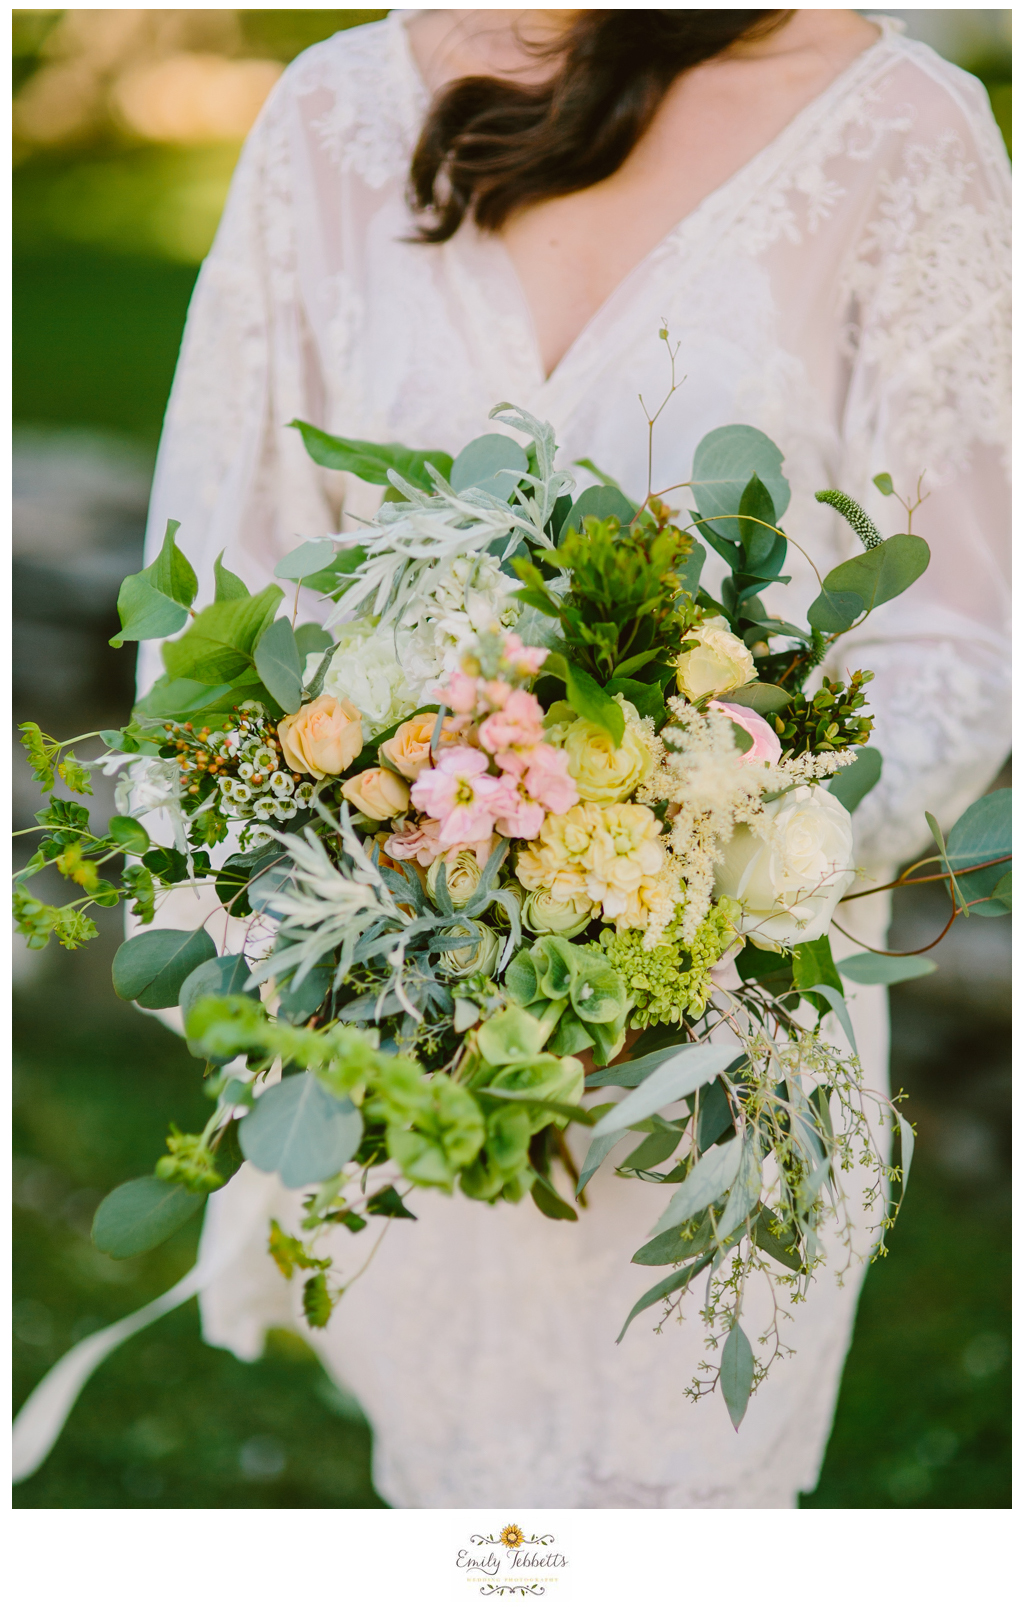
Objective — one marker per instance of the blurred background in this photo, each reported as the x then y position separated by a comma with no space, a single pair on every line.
127,125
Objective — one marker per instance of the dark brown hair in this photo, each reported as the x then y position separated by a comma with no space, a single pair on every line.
490,145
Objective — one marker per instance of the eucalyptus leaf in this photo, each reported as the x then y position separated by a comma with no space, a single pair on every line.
151,967
724,463
280,666
660,1291
308,559
493,463
300,1131
223,975
851,785
713,1174
141,1214
737,1372
312,638
681,1074
760,696
874,577
885,969
838,1004
596,1155
744,1196
983,832
599,502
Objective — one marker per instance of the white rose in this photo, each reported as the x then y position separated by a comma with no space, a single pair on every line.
790,874
366,670
718,664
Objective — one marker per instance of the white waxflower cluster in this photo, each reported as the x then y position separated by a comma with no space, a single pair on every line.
260,789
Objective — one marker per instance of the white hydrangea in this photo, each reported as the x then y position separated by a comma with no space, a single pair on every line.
367,669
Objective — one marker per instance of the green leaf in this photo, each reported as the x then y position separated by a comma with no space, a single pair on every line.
902,1157
781,1244
744,1196
229,586
223,975
813,963
713,1174
587,697
1001,893
156,601
838,1004
756,511
369,460
599,502
171,573
279,665
680,1074
296,1002
886,969
151,967
873,577
833,612
549,1201
760,696
141,1214
660,1291
311,558
884,484
300,1131
598,474
144,613
182,699
333,579
983,832
737,1372
493,463
851,785
221,643
389,1203
646,697
596,1155
129,834
312,638
958,898
724,463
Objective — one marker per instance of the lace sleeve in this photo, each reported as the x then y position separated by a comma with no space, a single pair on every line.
228,469
927,290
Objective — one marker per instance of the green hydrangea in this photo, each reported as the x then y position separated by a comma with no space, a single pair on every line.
670,981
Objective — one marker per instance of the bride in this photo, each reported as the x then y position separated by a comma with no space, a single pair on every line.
450,209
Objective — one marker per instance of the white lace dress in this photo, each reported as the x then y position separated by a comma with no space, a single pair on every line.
846,292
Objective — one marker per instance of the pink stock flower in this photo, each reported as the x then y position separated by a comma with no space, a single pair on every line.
541,787
460,693
459,794
766,748
518,725
527,660
548,781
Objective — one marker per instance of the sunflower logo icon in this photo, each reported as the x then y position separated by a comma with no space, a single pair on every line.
511,1536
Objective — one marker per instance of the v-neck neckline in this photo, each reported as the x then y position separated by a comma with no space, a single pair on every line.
769,155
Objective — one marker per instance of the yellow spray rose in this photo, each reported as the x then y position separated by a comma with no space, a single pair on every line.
409,748
603,773
378,793
719,663
323,738
542,912
463,877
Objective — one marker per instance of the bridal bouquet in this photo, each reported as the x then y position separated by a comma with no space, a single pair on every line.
536,815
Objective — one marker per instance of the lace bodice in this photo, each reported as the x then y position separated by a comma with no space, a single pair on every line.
847,292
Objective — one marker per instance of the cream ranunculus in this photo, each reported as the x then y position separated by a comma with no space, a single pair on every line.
323,738
790,874
475,958
463,877
409,748
718,664
379,794
542,912
603,773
